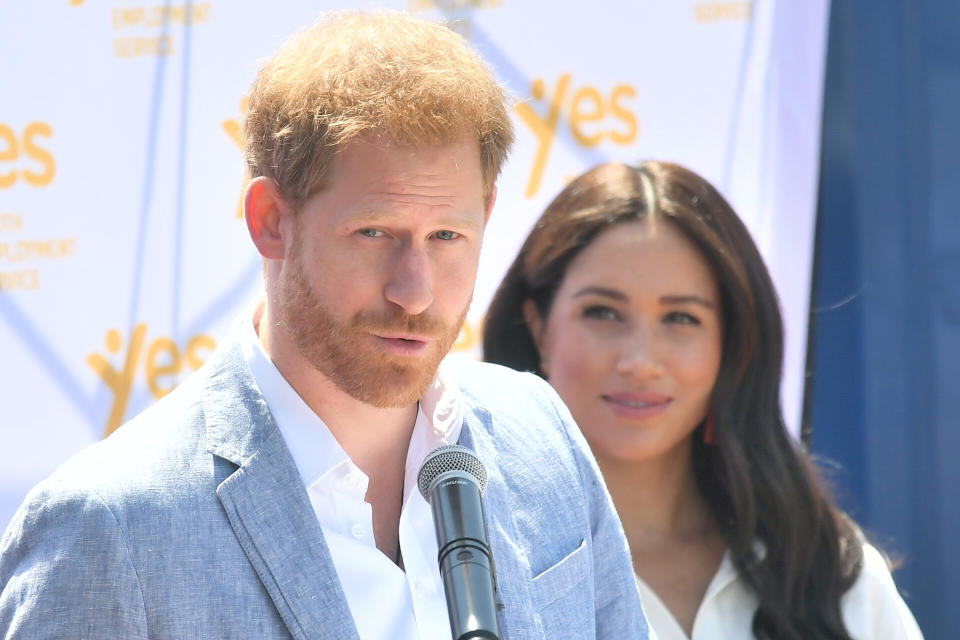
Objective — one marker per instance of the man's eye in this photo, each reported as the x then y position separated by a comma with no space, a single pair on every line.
370,233
447,235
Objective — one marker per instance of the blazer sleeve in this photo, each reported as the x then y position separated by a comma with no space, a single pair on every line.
619,613
66,572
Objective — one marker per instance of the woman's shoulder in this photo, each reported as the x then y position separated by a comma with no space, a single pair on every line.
873,607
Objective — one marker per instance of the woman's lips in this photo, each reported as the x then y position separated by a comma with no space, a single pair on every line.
637,405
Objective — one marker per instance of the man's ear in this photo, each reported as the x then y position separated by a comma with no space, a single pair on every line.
493,199
268,216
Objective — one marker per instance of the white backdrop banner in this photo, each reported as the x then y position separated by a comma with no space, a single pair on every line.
123,253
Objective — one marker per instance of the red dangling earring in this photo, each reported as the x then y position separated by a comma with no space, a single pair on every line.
709,429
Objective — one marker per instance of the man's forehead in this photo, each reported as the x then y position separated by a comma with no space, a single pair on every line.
447,216
428,171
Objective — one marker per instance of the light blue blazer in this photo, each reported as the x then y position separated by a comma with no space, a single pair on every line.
192,522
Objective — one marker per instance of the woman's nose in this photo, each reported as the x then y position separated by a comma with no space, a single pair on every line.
639,355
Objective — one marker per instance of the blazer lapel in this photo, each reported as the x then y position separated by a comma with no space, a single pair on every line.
517,620
268,507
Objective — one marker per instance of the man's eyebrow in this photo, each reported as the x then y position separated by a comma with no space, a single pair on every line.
376,216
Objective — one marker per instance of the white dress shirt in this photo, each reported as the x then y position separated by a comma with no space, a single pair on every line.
872,609
385,601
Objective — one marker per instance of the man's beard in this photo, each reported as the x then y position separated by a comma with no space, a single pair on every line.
343,351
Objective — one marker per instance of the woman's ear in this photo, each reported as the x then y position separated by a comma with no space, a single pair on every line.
535,324
265,211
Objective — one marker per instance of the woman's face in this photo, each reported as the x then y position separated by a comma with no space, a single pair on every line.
633,341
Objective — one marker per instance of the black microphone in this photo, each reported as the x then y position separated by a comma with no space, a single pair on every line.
452,479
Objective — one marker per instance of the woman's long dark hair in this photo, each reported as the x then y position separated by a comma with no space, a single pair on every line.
759,483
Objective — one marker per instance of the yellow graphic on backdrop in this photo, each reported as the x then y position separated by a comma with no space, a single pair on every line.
234,130
156,16
720,11
165,361
153,18
469,337
25,152
143,46
10,222
20,280
16,254
44,249
589,113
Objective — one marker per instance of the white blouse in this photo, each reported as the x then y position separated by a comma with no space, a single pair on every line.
872,608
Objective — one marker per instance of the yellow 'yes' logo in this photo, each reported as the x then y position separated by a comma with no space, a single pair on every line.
164,362
588,111
14,147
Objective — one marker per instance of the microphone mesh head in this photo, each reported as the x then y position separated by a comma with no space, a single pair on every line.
451,457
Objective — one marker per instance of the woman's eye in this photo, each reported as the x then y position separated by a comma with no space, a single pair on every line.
447,235
600,312
681,317
370,233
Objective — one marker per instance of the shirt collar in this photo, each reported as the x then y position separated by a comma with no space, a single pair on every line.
313,447
727,572
439,422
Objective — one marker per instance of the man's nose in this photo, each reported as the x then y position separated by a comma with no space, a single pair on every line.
409,283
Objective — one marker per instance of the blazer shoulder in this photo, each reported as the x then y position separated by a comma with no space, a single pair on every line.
159,452
501,389
518,416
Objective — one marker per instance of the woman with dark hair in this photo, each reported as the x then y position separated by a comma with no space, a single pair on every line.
642,298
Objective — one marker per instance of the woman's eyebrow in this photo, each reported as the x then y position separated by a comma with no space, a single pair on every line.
600,291
688,299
